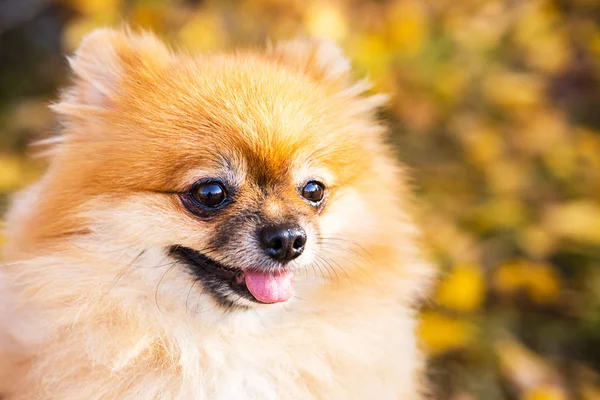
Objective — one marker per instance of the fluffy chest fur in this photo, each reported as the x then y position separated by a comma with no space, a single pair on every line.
101,346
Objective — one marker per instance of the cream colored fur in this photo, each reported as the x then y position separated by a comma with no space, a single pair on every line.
92,307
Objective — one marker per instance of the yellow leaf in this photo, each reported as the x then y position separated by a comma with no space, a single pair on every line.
149,16
561,161
484,145
544,284
539,281
370,53
451,79
544,392
544,40
479,29
508,278
513,90
409,26
500,212
537,241
541,131
463,290
579,220
506,177
440,333
550,52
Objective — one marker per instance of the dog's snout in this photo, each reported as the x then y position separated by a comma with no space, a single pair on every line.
283,242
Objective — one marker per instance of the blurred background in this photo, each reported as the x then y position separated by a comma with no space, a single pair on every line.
495,108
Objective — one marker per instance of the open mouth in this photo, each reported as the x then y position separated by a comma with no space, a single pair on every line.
225,282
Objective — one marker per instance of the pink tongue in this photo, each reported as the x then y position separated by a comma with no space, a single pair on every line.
270,287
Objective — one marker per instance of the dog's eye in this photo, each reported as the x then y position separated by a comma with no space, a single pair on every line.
209,194
313,191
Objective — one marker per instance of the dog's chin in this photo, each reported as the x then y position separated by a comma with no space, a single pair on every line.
226,284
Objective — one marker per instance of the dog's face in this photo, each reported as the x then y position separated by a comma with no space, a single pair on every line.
245,171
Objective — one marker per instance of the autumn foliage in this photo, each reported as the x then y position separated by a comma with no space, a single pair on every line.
495,107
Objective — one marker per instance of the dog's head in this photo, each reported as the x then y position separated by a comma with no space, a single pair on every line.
239,172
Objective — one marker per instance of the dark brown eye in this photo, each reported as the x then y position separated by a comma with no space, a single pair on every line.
209,194
313,191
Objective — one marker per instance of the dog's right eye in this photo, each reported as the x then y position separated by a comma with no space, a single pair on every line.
209,194
205,198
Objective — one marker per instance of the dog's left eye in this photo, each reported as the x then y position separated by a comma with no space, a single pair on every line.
313,191
209,194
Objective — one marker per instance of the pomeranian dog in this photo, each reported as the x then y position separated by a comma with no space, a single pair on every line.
227,226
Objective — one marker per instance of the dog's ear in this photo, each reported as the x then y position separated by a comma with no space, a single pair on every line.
325,62
319,58
105,56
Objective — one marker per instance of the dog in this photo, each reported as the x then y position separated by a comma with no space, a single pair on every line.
220,226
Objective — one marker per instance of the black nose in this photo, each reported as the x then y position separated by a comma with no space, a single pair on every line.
283,242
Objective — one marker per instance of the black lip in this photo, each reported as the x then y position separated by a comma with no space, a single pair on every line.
218,279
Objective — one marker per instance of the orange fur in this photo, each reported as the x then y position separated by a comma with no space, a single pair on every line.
90,316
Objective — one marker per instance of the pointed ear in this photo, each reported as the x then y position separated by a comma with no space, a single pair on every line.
325,62
105,56
319,58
